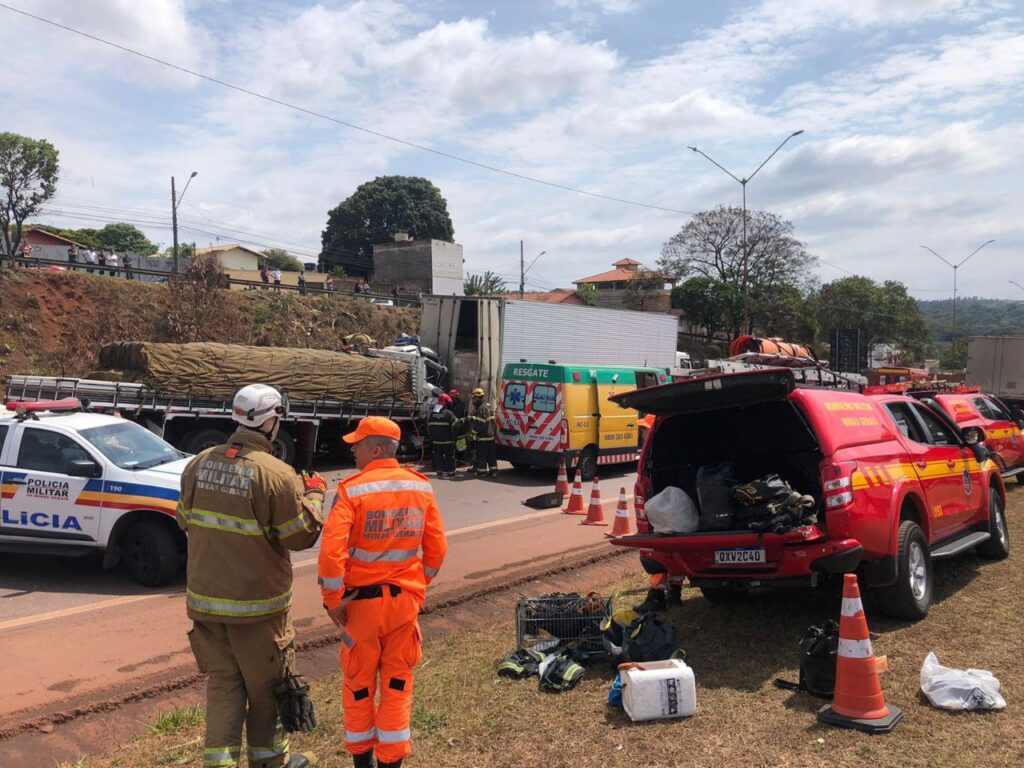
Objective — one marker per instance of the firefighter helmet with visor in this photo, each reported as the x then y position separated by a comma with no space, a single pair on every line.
257,403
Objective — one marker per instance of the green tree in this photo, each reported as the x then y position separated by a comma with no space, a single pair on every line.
375,212
28,178
185,251
487,284
709,303
123,237
642,288
954,356
85,236
786,311
278,258
587,293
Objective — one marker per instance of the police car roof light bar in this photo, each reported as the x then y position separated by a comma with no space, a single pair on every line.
54,406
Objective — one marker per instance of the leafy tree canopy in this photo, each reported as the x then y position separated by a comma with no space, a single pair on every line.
487,284
587,293
28,178
712,304
278,258
375,212
123,237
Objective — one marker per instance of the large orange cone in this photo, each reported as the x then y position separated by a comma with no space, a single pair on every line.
595,512
576,499
562,481
621,526
858,702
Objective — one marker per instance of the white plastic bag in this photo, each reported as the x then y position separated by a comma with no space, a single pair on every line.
959,689
672,511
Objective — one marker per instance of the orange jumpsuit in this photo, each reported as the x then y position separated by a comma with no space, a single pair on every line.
370,556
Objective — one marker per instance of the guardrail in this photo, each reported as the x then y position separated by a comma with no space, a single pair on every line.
252,285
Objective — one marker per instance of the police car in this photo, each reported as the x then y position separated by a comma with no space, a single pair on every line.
74,482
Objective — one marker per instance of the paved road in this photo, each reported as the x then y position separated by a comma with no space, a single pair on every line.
73,633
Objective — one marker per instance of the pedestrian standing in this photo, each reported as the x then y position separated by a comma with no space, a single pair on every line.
26,252
441,427
329,284
72,256
374,583
481,419
396,294
243,511
126,262
302,283
101,260
90,259
265,276
112,262
276,275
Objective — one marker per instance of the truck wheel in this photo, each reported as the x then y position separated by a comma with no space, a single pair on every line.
723,596
200,439
284,447
587,464
998,547
150,553
911,596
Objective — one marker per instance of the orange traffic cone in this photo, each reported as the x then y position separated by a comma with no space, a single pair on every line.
576,499
562,481
595,512
621,526
858,701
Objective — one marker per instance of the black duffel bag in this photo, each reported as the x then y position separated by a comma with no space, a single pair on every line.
819,647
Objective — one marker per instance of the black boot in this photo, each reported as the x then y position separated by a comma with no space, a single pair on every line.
396,764
654,602
364,760
675,594
299,761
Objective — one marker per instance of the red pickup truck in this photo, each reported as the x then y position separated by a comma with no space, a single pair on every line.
896,486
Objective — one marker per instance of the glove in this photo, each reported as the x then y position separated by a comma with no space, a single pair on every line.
312,481
294,707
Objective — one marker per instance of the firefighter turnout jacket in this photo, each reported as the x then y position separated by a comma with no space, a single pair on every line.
481,418
384,515
442,427
243,510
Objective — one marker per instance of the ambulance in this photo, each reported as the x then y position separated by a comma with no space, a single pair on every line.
74,482
549,411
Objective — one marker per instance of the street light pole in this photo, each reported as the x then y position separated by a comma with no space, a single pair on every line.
175,201
523,270
1014,282
743,183
956,268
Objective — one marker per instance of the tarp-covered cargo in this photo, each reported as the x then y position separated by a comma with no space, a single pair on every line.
219,370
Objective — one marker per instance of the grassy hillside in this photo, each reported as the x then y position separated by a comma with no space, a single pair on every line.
53,323
974,317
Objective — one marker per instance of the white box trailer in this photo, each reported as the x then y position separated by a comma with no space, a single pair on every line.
996,364
506,330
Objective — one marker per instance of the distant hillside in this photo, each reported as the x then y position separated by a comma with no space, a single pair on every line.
974,317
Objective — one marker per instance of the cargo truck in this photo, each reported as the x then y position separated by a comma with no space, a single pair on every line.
996,364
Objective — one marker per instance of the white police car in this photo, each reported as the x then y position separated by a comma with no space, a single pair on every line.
74,482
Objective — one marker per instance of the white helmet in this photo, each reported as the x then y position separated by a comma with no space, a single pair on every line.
256,403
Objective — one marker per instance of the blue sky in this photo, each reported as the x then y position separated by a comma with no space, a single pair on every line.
911,112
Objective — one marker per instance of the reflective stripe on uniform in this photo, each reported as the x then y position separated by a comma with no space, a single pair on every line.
355,491
268,753
218,521
336,583
393,737
356,736
221,757
294,525
347,639
220,606
431,572
383,556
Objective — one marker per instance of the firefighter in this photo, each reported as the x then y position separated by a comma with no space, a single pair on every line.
461,428
243,510
441,427
664,590
481,419
374,583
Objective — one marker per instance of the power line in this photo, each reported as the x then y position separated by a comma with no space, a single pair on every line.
337,121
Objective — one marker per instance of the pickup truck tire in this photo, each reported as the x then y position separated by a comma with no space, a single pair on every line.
150,553
200,439
586,465
998,547
911,596
722,596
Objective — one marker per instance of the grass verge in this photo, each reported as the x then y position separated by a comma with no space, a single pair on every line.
465,715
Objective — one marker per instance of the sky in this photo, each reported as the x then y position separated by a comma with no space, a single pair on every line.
912,113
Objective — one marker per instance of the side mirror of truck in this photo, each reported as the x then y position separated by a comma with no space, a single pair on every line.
973,435
83,468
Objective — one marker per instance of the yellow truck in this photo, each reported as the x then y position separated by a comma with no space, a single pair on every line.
547,411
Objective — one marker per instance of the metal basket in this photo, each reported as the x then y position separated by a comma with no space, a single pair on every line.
571,620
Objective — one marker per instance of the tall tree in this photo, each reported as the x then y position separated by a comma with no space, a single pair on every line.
709,303
278,258
642,288
711,245
487,284
587,293
375,212
123,237
28,178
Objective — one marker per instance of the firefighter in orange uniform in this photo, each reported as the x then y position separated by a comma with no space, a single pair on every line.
374,583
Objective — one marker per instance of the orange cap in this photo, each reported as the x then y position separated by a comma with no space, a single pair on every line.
374,426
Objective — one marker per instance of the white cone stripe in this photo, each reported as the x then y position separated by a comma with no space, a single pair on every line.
855,649
852,606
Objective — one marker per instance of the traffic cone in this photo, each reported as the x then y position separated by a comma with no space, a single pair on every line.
595,512
621,526
576,499
562,481
858,702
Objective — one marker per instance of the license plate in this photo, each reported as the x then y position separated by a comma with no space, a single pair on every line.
740,556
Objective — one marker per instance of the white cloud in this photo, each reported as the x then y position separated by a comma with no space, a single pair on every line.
607,7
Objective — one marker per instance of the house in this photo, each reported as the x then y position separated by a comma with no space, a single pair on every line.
46,245
554,296
612,286
234,256
417,266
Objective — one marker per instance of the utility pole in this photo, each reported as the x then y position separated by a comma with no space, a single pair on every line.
522,271
174,224
956,268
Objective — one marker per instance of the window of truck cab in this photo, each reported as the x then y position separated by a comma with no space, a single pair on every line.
515,396
545,398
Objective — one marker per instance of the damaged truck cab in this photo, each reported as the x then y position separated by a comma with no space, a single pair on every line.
895,486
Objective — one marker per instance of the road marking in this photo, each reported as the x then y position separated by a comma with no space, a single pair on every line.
128,600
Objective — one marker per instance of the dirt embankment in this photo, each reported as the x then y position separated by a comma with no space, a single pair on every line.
55,323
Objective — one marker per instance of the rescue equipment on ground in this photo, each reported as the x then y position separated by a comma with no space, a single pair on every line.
576,498
714,496
545,501
294,705
567,619
628,636
671,510
858,702
521,664
659,689
621,525
615,693
595,512
959,689
770,504
818,649
562,671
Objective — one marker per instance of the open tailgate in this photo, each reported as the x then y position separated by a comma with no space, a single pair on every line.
710,393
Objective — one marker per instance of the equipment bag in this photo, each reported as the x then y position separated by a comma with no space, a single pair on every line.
521,664
819,647
649,639
561,671
714,496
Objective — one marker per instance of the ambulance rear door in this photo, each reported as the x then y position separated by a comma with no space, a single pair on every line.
618,427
